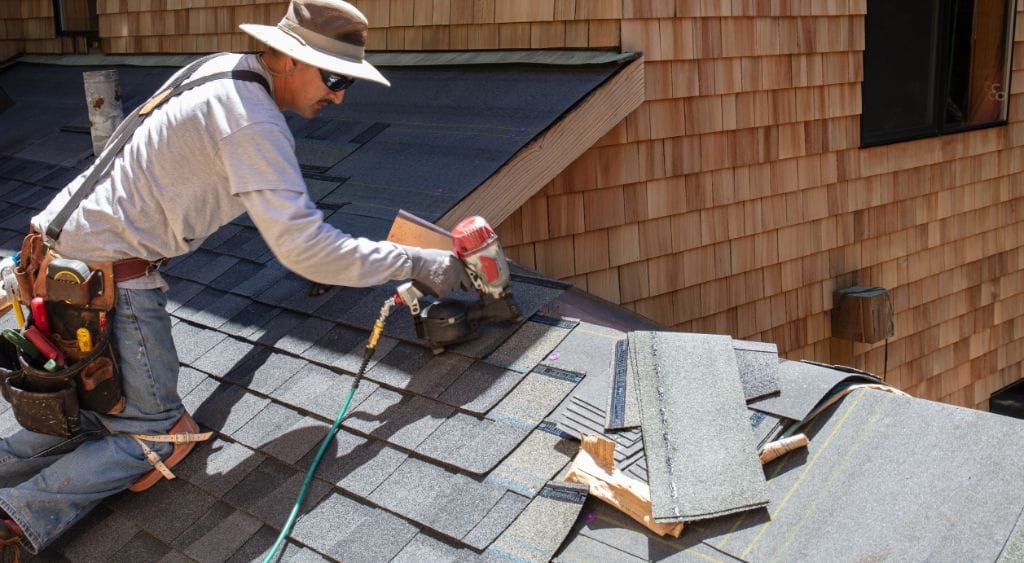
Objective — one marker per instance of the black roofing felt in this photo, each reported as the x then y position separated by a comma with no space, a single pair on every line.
445,457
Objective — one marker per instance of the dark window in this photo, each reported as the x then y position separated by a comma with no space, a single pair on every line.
934,66
75,17
1008,400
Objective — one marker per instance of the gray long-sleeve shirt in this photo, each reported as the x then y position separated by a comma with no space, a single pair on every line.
197,162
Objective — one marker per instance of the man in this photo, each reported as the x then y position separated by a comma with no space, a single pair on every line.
195,163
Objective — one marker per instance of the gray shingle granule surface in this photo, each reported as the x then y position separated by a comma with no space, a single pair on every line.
543,525
497,520
701,457
1015,544
530,345
480,387
819,495
759,367
802,386
426,548
533,463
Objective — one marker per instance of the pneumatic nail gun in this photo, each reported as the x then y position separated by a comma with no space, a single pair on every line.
449,321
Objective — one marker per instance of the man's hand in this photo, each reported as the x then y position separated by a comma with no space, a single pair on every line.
439,271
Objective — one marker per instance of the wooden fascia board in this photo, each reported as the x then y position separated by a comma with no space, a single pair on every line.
554,150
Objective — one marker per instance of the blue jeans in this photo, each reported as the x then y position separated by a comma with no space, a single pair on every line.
50,482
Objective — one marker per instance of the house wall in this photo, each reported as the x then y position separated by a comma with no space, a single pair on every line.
735,199
26,26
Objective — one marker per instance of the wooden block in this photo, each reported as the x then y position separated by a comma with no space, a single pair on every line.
862,314
410,230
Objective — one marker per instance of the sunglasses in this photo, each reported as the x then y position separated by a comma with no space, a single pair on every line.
336,82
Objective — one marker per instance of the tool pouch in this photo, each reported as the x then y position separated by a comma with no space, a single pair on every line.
49,402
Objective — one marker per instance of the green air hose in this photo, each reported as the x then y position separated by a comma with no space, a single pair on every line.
371,347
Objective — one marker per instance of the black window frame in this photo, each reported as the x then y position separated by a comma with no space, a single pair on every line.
941,57
94,23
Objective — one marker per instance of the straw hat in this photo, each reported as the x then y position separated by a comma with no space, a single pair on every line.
327,34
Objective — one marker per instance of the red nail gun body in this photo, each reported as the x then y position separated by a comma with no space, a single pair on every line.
449,321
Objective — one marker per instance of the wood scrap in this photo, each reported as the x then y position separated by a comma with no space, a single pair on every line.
594,466
411,230
774,450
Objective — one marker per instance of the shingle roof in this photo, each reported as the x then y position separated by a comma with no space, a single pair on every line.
450,457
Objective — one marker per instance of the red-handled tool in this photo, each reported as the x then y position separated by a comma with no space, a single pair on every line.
46,348
39,317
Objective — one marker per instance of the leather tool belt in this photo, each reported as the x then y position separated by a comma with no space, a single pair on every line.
79,325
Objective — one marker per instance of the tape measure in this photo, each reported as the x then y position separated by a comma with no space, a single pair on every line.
68,270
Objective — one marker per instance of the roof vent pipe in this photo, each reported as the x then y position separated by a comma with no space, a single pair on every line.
103,96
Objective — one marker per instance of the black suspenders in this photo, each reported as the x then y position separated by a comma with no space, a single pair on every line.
131,123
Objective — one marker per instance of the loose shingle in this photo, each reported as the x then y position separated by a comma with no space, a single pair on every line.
699,449
802,386
759,367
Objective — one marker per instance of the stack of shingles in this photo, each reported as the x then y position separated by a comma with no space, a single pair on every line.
680,408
